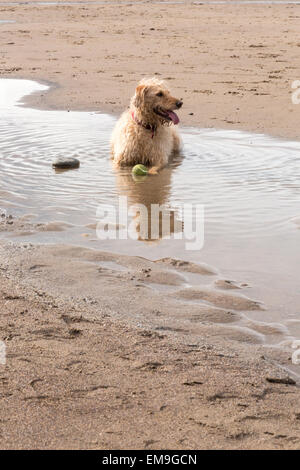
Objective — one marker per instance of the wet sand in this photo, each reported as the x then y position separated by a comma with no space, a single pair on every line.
78,376
79,373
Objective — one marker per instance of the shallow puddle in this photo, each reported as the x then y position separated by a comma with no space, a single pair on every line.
248,184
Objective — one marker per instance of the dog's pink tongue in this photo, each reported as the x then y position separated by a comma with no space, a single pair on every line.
174,117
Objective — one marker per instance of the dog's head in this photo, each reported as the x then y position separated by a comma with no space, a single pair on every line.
153,99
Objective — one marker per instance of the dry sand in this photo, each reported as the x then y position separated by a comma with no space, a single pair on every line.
79,373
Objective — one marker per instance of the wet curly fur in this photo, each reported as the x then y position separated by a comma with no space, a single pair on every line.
132,141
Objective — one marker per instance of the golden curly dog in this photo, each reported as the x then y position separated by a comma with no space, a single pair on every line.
145,133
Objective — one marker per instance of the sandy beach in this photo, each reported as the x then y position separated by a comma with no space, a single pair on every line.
77,376
232,65
84,369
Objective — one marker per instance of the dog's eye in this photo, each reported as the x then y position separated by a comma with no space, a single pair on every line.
160,93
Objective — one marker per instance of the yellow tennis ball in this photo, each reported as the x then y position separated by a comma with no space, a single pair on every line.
140,170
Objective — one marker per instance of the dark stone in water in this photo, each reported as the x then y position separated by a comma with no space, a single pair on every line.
281,380
66,163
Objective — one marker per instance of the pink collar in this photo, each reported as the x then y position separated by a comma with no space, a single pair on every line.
149,127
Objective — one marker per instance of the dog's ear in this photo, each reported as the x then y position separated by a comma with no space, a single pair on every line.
139,96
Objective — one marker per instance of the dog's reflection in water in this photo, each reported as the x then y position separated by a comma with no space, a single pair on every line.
148,203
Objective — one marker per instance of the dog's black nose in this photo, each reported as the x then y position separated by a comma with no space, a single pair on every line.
179,104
